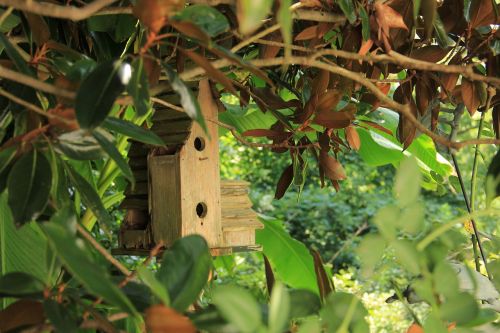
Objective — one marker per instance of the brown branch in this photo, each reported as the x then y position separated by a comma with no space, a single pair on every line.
85,234
58,11
34,83
310,61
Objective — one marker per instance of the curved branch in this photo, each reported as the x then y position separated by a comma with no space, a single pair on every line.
58,11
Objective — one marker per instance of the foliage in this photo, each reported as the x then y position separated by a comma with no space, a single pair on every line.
313,81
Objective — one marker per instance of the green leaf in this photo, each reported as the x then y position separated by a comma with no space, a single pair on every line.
28,186
20,284
188,101
310,325
98,91
291,261
238,307
105,139
89,196
6,156
279,309
133,131
185,269
303,303
60,316
386,219
370,251
365,23
429,12
23,249
16,58
434,324
9,22
407,255
251,14
459,308
407,183
205,17
343,310
79,145
348,10
445,279
75,257
492,185
442,37
157,288
138,87
412,218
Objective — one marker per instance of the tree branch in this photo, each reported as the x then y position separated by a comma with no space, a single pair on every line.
58,11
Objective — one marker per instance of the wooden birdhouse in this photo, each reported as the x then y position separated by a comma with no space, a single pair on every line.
179,191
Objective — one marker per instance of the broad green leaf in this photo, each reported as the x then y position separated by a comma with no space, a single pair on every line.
105,139
184,270
310,325
74,256
370,252
459,308
291,261
434,324
238,307
19,284
407,183
98,91
279,309
344,312
188,101
89,196
79,145
23,249
205,17
28,186
63,319
303,303
251,14
254,118
492,185
445,279
348,9
133,131
9,22
386,219
407,255
412,218
158,289
138,87
16,58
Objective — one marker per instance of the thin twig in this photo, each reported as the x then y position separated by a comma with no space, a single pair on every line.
167,104
85,234
35,83
59,11
27,105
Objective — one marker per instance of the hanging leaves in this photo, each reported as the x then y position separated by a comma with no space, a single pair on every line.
333,169
251,14
154,13
471,95
29,186
138,87
284,182
352,137
161,319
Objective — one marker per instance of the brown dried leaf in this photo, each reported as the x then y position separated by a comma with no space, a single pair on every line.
328,101
161,319
352,137
154,13
482,13
332,168
308,33
271,51
325,285
268,133
448,82
376,126
429,10
365,47
21,314
273,101
435,116
334,119
496,120
284,182
211,71
388,18
191,30
153,70
320,83
406,129
423,95
270,280
39,28
470,96
430,53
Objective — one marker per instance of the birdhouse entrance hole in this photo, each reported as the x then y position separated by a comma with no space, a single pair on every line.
201,210
199,144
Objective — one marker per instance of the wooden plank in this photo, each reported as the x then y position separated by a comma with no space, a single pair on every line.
172,127
175,139
241,224
165,203
239,238
200,175
168,114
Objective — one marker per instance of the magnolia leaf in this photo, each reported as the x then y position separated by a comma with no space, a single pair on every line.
138,87
251,14
133,131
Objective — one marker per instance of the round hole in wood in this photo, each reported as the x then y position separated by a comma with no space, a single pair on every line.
201,209
199,143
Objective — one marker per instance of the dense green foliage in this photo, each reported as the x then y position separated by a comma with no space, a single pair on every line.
348,118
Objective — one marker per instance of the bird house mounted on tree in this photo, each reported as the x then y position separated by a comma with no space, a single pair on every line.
178,189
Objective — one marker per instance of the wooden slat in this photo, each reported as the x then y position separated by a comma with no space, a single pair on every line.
140,175
138,162
175,139
172,127
140,188
134,203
